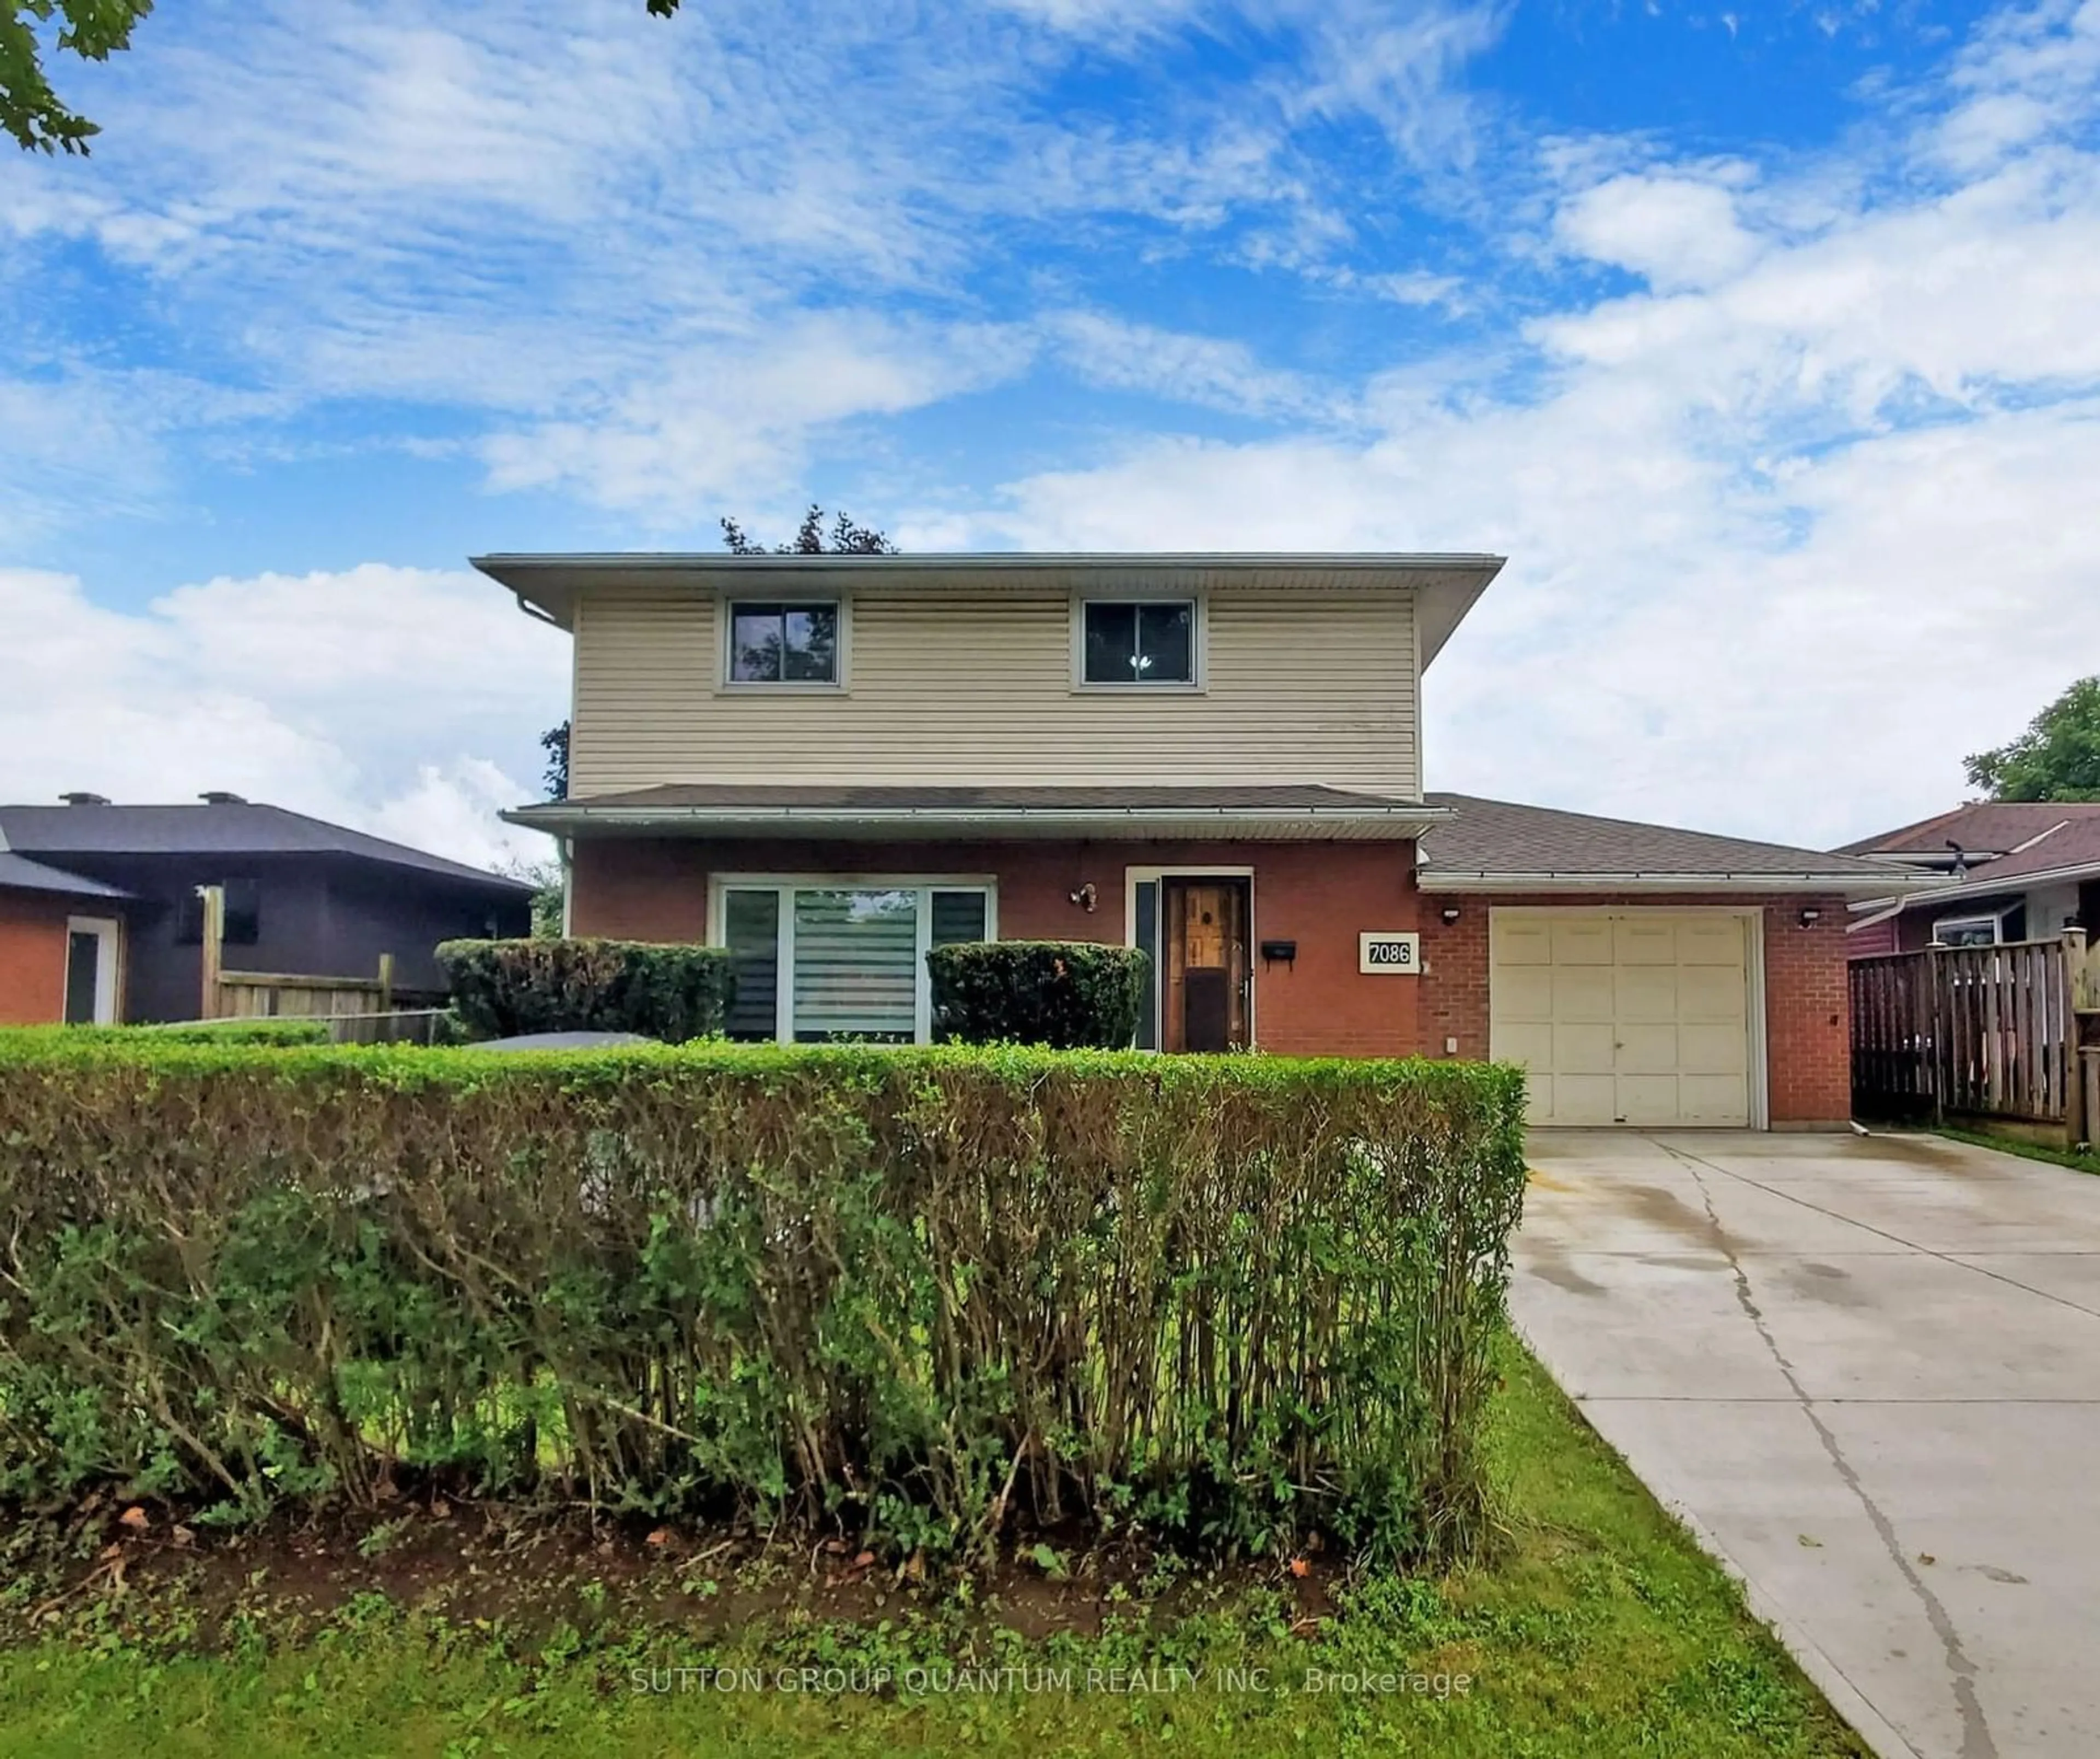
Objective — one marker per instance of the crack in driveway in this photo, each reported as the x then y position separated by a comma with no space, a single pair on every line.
1977,1741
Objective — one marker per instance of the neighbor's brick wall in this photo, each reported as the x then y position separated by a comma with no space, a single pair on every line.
1319,895
1807,997
32,951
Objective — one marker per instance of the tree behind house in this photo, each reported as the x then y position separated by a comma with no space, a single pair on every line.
2057,757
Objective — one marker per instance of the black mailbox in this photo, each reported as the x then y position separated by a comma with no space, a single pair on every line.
1285,950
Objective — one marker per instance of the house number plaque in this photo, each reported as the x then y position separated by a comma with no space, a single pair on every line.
1393,955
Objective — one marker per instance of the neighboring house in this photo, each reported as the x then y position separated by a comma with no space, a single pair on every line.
828,764
2006,870
302,897
61,939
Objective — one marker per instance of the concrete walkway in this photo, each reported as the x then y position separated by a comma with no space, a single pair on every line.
1866,1372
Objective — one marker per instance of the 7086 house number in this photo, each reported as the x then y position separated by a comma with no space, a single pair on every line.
1391,954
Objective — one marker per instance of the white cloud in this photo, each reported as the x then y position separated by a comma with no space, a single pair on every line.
379,697
1202,371
1117,20
2028,72
650,260
1794,523
1791,533
730,422
1674,232
1401,67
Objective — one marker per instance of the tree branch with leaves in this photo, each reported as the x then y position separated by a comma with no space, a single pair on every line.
2057,757
93,29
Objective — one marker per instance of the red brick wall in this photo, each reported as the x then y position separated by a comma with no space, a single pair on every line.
1808,1013
32,952
1319,895
1875,938
1806,998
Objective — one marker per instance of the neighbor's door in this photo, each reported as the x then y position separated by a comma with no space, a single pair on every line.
90,972
1205,1003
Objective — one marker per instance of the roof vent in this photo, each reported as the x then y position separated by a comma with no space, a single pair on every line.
219,797
81,797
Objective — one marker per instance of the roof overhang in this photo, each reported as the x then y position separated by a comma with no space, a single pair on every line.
1851,885
19,874
1445,586
1380,823
1944,889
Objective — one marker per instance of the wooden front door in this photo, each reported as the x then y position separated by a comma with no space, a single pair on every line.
1203,937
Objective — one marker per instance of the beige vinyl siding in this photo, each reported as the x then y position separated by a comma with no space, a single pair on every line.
953,686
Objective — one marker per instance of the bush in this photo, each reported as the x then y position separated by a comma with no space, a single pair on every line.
502,989
926,1296
1070,995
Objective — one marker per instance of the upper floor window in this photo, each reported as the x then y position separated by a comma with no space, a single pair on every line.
1145,641
792,643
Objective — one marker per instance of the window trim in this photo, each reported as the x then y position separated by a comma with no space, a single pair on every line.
787,885
726,683
1196,684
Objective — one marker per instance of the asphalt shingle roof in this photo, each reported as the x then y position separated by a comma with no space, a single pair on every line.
2075,847
228,828
846,797
1501,837
1482,837
1994,827
18,873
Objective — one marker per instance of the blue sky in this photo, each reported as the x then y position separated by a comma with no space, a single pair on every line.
1762,339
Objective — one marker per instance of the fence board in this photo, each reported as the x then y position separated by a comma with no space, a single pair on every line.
1990,1031
405,1026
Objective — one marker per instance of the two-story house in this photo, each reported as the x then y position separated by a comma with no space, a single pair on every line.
828,764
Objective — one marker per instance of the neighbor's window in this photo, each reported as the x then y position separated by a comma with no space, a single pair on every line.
244,915
1147,641
1969,931
783,643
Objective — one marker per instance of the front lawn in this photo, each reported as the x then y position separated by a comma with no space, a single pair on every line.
1598,1628
2088,1162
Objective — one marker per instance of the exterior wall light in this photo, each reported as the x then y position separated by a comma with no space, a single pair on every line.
1810,916
1450,912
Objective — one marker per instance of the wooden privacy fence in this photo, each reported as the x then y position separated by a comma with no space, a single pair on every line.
405,1026
1989,1031
272,995
269,995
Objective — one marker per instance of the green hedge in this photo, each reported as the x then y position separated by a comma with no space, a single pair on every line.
929,1296
502,989
278,1029
1070,995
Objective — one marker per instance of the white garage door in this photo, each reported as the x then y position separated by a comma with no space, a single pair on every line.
1636,1018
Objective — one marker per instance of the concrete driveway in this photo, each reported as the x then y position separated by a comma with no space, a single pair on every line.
1866,1372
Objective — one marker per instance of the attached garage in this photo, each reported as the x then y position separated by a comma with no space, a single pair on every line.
1637,1017
1645,976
